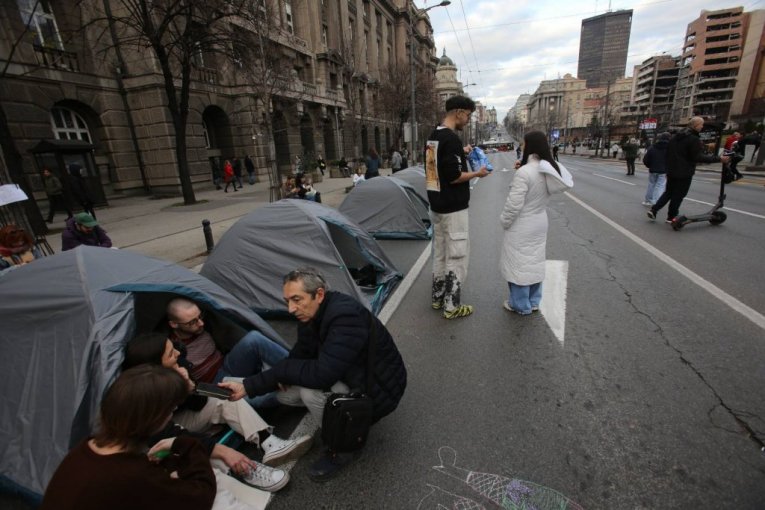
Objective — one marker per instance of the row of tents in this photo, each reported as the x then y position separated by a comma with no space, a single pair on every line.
67,318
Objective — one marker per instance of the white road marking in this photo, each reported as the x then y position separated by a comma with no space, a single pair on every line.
611,178
553,305
727,208
753,315
398,295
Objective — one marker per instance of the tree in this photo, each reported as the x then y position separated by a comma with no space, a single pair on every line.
178,34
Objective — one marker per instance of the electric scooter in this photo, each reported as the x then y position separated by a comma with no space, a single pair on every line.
714,216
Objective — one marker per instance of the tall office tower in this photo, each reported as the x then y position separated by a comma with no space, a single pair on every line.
603,47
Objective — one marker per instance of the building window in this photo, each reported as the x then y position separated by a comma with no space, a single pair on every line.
68,125
205,135
198,57
324,36
38,14
288,17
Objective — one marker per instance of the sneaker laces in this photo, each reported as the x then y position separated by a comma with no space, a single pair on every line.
261,473
460,311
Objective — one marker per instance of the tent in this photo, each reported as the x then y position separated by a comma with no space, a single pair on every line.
253,256
65,321
388,208
415,177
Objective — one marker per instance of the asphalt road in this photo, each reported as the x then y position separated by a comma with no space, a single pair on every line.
653,400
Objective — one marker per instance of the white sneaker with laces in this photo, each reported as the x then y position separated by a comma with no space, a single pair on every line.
265,478
280,451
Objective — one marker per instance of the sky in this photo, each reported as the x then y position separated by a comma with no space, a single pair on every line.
506,47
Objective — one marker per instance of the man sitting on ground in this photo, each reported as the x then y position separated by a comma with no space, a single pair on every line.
331,354
251,354
83,229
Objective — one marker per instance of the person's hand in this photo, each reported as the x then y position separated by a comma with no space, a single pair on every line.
467,148
237,389
517,164
725,159
482,172
236,461
283,387
185,374
165,445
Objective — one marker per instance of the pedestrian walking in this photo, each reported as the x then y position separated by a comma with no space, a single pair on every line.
615,149
373,164
524,220
321,164
555,152
228,175
55,192
250,167
684,151
447,179
80,189
237,164
630,150
654,159
404,158
395,161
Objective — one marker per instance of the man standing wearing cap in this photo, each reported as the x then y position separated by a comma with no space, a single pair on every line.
83,229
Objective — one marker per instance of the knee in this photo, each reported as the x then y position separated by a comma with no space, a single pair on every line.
312,398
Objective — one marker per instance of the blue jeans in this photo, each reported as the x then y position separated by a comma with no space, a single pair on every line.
656,184
524,298
250,356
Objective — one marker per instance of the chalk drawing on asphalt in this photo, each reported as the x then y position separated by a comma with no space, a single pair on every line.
506,493
440,499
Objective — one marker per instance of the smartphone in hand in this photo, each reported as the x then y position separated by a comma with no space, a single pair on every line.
212,390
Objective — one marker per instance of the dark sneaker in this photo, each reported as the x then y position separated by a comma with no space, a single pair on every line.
651,215
460,311
329,465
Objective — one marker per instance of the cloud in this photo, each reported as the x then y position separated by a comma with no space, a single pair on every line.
507,48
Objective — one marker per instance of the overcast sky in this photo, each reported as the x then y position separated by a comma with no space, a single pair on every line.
506,47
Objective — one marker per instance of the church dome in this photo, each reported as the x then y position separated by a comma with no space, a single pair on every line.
445,61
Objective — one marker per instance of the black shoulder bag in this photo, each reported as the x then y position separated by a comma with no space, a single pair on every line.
348,416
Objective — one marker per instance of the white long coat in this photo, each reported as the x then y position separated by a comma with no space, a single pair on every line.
524,219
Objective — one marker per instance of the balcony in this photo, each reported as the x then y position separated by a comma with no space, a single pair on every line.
57,59
206,75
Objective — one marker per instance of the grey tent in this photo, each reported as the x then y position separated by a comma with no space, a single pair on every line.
388,208
258,250
415,177
65,321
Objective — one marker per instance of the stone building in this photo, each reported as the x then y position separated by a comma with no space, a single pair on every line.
77,90
653,91
447,84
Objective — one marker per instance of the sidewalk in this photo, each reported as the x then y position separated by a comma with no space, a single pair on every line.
166,229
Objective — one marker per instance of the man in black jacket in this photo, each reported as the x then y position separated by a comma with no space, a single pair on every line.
331,355
684,150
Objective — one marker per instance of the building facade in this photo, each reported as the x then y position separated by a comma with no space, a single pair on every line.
653,91
603,46
447,84
722,54
73,81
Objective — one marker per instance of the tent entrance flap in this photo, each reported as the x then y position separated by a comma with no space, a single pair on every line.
360,268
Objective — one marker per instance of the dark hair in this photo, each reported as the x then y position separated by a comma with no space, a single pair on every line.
311,279
460,103
535,142
137,406
145,348
373,153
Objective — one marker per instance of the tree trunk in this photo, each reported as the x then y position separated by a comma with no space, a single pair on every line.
15,165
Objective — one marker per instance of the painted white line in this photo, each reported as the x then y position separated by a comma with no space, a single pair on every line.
748,312
611,178
727,208
398,295
553,305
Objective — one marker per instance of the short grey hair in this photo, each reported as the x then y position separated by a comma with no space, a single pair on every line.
311,279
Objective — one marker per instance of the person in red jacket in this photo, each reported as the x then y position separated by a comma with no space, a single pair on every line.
228,175
112,469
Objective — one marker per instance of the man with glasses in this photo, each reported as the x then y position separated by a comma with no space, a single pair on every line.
331,354
447,177
251,354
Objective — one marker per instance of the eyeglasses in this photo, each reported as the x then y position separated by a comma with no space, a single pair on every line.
193,321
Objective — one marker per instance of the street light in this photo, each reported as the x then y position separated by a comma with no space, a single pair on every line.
412,71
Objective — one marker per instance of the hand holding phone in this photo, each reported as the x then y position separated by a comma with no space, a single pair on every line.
213,390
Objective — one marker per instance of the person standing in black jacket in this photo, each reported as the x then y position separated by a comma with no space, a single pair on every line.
684,151
331,355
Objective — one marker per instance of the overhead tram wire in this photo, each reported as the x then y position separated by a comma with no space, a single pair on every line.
470,38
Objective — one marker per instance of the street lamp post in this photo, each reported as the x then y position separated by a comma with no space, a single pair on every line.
412,73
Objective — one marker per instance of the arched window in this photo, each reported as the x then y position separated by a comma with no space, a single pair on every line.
68,125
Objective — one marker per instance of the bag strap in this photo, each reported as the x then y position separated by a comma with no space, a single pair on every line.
372,344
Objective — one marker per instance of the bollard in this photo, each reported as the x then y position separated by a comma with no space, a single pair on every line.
208,235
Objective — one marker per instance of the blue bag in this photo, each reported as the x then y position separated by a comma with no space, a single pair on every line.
478,159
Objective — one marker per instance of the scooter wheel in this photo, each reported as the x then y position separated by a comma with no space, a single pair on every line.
718,217
678,222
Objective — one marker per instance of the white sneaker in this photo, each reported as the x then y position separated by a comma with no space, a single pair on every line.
265,478
646,203
280,451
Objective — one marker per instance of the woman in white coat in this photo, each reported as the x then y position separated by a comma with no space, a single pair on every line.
524,219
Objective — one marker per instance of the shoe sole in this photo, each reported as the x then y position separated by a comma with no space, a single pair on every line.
299,448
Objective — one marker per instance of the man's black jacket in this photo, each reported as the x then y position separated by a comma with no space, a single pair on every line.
333,347
685,149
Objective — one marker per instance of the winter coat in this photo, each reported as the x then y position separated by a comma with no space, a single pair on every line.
52,186
395,161
373,168
72,237
655,157
684,150
228,172
630,150
524,219
333,347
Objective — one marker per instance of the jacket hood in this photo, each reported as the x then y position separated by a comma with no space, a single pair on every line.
70,224
556,183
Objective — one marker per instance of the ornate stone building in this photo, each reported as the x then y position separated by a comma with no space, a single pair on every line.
447,84
77,90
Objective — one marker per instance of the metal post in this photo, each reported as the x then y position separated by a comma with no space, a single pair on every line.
208,235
